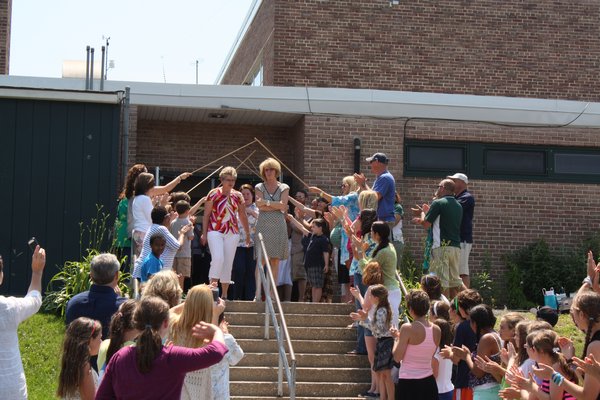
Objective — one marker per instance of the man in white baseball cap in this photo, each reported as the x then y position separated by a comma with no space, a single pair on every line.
467,201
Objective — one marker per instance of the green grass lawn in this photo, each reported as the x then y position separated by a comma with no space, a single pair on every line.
40,340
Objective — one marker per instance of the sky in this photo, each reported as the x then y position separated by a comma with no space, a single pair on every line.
150,40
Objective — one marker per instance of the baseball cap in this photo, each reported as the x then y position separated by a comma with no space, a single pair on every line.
381,157
460,176
548,314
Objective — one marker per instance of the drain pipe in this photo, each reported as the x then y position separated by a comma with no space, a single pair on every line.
357,155
102,70
92,70
87,68
126,131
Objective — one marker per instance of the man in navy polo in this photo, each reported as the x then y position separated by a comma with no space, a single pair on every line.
467,201
101,301
384,185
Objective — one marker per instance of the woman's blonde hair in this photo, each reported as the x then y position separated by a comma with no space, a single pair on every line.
228,171
198,307
165,285
351,182
367,199
269,163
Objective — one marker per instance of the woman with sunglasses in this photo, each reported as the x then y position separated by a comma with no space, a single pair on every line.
220,227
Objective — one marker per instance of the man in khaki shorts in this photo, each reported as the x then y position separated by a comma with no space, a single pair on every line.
467,201
444,215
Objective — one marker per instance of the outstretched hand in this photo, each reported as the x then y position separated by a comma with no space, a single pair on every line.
204,330
38,260
588,366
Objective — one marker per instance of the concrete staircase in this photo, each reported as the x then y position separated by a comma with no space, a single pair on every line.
320,340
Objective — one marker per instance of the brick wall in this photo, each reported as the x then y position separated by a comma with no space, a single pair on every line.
5,18
508,214
184,146
258,38
499,48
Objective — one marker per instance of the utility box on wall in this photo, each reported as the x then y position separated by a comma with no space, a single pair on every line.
59,159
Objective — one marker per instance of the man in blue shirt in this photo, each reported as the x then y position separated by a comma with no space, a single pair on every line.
467,201
384,185
101,301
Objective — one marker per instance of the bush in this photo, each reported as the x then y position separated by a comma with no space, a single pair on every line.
483,282
74,276
537,266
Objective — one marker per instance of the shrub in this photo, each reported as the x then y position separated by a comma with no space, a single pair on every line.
74,276
537,266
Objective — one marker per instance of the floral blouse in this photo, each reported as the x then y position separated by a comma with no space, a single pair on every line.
223,216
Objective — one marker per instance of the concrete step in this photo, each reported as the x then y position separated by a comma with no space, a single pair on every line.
291,308
292,320
296,333
300,346
306,360
318,374
303,389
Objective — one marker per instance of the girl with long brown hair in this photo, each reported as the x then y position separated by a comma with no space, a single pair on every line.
121,333
77,379
151,370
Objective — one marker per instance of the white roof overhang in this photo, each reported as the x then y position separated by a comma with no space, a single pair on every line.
283,106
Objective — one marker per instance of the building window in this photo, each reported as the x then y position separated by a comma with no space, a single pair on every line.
576,163
257,78
494,161
519,162
434,158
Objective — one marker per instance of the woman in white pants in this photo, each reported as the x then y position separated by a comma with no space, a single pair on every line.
220,228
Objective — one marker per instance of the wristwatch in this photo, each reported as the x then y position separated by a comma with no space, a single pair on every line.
268,203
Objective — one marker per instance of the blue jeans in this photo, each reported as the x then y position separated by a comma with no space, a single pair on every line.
244,267
361,347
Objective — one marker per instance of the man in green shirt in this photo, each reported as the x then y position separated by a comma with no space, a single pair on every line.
444,215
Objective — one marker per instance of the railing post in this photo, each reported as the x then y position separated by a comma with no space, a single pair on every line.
280,369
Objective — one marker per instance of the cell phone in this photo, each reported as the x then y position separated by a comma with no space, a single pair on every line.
215,293
33,243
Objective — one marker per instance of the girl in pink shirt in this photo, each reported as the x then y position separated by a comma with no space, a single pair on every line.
416,344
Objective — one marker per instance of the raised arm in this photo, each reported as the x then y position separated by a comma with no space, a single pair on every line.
38,261
297,224
326,196
157,190
197,206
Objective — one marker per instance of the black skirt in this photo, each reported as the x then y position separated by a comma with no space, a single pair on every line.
422,389
384,357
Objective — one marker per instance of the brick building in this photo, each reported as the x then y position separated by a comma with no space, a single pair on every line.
529,182
504,91
5,17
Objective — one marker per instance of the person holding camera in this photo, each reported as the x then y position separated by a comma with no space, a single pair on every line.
13,311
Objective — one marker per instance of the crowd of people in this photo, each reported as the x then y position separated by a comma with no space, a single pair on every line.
158,346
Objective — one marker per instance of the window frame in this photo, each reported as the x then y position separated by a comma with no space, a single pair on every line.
475,167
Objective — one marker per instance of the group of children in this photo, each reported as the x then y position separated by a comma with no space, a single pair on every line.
450,349
156,331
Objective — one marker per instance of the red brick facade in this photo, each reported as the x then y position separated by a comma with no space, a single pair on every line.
512,48
184,146
5,18
496,48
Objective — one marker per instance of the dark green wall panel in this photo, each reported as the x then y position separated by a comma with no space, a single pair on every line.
59,160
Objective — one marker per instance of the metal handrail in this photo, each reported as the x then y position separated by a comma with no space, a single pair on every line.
271,292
